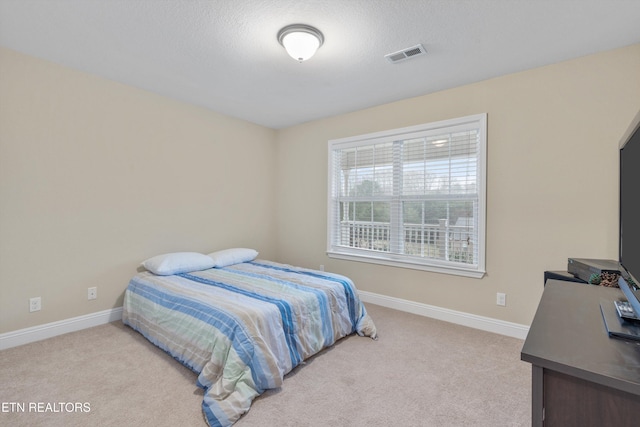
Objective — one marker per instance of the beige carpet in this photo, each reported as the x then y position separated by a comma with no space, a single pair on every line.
421,372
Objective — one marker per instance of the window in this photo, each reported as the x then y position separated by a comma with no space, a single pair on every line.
411,197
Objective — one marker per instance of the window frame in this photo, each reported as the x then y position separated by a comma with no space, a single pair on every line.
476,270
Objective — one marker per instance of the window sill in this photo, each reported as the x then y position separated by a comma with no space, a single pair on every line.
444,269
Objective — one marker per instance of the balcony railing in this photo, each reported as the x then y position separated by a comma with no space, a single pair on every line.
437,241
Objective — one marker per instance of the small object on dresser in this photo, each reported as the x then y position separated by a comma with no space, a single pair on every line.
610,280
584,268
561,275
625,311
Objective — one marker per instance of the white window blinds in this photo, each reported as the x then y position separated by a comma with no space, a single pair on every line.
412,196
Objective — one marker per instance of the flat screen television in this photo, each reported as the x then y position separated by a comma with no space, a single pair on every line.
629,281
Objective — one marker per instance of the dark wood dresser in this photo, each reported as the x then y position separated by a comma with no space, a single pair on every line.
580,376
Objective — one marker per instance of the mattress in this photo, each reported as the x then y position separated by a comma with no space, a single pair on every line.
243,327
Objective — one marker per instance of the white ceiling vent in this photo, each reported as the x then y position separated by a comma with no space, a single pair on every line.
404,54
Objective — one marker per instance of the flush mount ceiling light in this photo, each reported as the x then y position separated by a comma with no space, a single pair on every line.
300,41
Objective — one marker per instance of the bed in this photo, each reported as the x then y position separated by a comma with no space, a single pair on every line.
241,326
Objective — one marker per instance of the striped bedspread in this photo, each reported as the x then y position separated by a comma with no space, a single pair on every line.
243,327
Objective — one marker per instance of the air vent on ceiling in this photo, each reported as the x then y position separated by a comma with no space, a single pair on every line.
404,54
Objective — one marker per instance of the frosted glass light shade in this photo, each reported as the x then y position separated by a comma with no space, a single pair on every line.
301,46
300,41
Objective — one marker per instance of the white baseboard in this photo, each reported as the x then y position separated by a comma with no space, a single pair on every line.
488,324
50,330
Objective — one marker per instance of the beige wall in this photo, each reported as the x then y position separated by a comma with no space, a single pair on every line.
96,176
553,135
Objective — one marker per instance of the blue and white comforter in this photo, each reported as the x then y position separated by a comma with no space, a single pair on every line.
243,327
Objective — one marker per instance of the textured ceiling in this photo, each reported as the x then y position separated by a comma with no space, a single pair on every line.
223,54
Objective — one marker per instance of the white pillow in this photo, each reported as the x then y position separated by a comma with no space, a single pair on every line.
232,256
177,262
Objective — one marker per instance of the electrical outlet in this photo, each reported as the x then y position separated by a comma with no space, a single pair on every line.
35,304
501,299
92,293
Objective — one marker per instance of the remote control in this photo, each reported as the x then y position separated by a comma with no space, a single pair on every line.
626,311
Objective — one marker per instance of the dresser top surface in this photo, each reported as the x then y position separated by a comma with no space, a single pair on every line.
568,335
